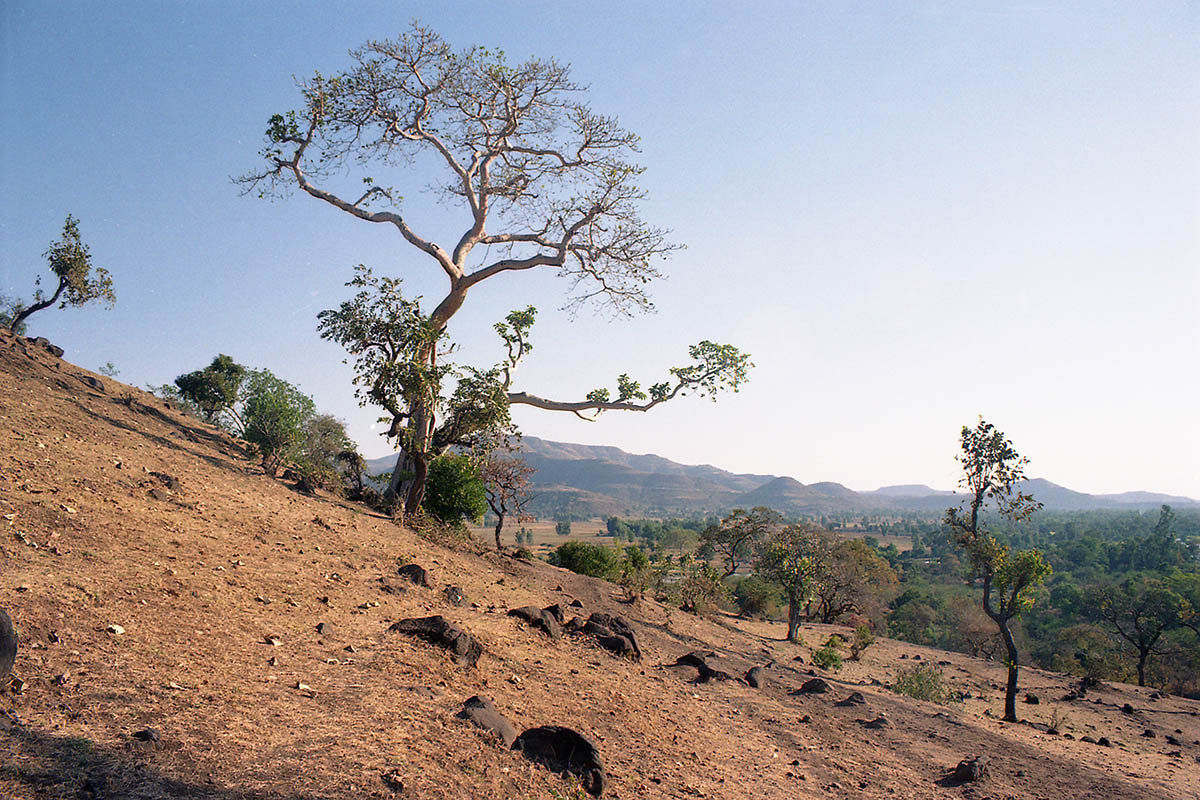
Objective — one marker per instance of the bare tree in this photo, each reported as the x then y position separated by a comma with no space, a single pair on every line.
506,482
542,181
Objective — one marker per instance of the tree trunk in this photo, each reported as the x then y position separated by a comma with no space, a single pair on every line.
24,314
1141,667
793,619
1010,692
499,527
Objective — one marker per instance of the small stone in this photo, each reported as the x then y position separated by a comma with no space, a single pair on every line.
1032,699
115,630
1104,742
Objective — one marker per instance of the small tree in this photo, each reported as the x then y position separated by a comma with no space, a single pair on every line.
70,261
733,540
456,491
563,527
795,557
275,414
855,576
1140,609
506,482
992,472
214,390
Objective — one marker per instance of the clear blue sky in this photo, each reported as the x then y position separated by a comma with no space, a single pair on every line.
908,213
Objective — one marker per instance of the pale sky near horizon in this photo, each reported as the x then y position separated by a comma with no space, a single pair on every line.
909,214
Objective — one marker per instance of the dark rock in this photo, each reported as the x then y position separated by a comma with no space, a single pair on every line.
970,770
169,481
93,382
1104,742
325,628
1087,739
1032,699
620,626
538,619
917,657
481,712
806,719
878,723
454,596
387,587
705,671
564,750
575,604
436,630
414,573
618,645
813,686
557,612
1171,740
8,644
756,677
1127,709
46,345
855,699
576,625
1148,734
148,735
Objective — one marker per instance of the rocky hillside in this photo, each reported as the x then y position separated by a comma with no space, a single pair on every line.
192,628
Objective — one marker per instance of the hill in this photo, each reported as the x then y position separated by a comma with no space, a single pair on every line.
598,481
160,581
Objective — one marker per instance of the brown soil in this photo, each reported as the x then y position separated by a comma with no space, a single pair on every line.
198,576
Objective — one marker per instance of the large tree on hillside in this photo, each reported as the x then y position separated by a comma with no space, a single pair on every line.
1141,608
796,557
992,471
733,540
79,280
542,183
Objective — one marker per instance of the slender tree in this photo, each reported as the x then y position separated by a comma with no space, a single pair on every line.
992,472
79,280
506,481
543,183
795,557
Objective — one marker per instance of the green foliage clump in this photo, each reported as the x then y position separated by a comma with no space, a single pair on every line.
700,588
214,390
454,489
276,414
924,682
756,597
863,638
827,657
587,559
563,527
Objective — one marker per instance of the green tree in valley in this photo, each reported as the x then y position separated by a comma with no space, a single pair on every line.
795,557
79,280
992,472
854,577
733,540
1140,609
543,184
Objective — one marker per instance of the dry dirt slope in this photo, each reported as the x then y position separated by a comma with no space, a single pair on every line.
200,575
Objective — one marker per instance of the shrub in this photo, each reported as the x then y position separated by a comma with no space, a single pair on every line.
700,587
637,576
827,657
587,559
563,527
275,413
924,682
756,597
863,638
454,490
835,641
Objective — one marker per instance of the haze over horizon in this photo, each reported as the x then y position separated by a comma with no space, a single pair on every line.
908,216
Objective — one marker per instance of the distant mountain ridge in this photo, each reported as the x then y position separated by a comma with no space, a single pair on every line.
601,480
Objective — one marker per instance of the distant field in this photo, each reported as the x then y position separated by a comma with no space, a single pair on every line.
594,530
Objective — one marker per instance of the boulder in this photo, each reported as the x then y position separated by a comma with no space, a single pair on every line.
436,630
878,723
1032,699
564,750
813,686
414,573
617,625
970,770
8,645
540,619
481,712
454,596
618,645
855,699
756,677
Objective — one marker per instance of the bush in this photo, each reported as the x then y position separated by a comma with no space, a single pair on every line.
563,527
700,588
924,682
863,638
587,559
756,597
454,490
275,413
827,657
637,576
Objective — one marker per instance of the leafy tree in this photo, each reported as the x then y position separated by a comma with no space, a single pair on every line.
755,597
854,576
563,527
734,538
992,470
1140,609
700,586
70,261
9,308
327,458
214,390
794,557
543,184
506,484
456,491
275,414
